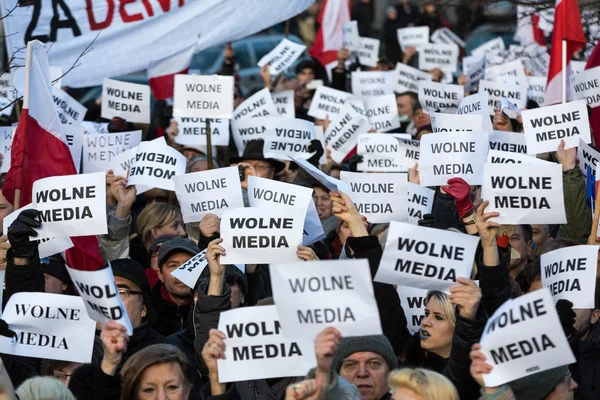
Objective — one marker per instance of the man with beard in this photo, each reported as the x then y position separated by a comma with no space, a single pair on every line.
171,297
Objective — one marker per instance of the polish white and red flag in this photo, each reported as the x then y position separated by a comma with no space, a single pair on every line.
330,36
39,150
567,26
161,73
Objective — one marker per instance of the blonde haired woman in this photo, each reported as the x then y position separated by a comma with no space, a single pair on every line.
421,384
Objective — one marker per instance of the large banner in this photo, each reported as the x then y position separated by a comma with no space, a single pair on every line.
150,30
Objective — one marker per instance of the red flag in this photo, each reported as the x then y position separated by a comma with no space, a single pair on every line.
538,34
567,26
330,38
161,74
592,62
39,150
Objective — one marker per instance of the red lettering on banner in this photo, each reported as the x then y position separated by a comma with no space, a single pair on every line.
94,25
128,17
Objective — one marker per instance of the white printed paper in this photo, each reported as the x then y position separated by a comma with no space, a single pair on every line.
129,101
289,137
68,109
494,46
442,56
368,53
387,152
260,104
327,102
441,122
350,35
413,37
407,78
436,97
367,84
284,101
476,104
536,89
282,56
587,156
326,180
342,133
497,91
203,96
6,136
586,86
474,70
74,135
513,142
413,304
506,157
192,131
190,271
156,164
420,202
100,148
382,112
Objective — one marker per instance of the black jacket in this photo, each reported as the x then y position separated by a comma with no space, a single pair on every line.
587,370
171,318
262,389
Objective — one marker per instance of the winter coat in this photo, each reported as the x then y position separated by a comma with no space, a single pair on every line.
171,318
579,215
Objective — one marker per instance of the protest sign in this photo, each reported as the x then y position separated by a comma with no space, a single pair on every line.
257,347
312,296
46,247
282,56
156,164
425,258
407,78
100,148
6,135
203,96
413,37
326,180
442,56
368,52
190,271
8,93
420,202
539,60
342,133
452,154
588,156
261,235
513,69
327,102
513,142
50,326
536,89
245,130
474,70
476,104
497,91
523,337
366,84
260,104
532,195
509,108
289,137
505,157
267,192
100,294
570,274
382,112
73,205
121,163
68,109
586,86
192,131
444,35
2,274
441,122
94,127
386,153
545,127
74,136
351,39
208,192
284,102
413,304
129,101
436,97
494,46
380,198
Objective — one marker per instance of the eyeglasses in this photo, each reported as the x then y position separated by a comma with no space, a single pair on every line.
62,377
262,167
125,293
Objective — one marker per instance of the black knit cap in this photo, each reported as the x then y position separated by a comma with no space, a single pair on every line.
56,268
377,344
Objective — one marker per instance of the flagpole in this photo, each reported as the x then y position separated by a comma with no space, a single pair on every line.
17,201
564,71
208,145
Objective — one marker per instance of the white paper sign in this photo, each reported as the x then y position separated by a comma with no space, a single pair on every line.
435,96
570,274
524,337
100,148
350,35
545,127
94,127
407,78
387,153
268,193
446,36
190,271
208,192
258,235
192,131
156,164
260,104
413,304
536,89
6,136
203,96
513,69
74,135
505,157
441,122
367,84
327,102
284,101
129,101
342,133
532,195
474,70
380,198
442,56
50,326
245,130
586,86
413,37
368,53
513,142
282,56
497,91
8,93
73,205
425,258
587,155
382,112
121,163
326,180
68,109
452,154
494,46
258,348
420,202
101,296
314,295
289,137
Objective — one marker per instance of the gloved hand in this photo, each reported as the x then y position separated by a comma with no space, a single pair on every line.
354,161
19,232
566,315
461,191
5,331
